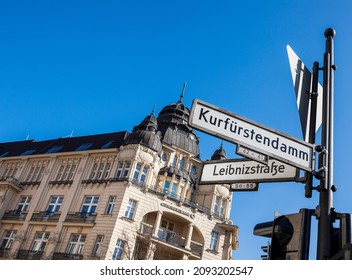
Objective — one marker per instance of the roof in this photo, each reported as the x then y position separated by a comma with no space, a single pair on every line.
59,145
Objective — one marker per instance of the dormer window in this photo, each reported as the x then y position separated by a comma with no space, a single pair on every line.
84,147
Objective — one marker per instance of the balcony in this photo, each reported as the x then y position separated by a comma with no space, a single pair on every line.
45,216
4,253
81,217
177,198
29,255
171,238
67,256
12,182
14,215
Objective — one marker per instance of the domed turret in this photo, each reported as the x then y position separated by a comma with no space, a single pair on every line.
146,134
219,154
174,128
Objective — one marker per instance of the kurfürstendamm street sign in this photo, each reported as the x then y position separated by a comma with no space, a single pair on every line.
236,129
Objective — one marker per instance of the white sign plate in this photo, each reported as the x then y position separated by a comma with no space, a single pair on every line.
228,126
244,187
244,170
243,151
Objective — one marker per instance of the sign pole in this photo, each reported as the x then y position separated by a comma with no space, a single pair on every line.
312,124
326,167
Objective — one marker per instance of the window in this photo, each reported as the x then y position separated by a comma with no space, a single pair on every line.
54,149
76,244
4,154
8,238
164,157
222,208
173,190
123,169
111,205
130,209
55,204
23,204
107,145
143,175
89,204
216,205
194,170
140,174
98,246
28,152
67,170
118,251
101,168
174,161
10,170
166,231
40,240
166,187
214,240
84,147
182,164
36,171
136,172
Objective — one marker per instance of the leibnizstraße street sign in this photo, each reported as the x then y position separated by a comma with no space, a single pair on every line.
236,129
245,170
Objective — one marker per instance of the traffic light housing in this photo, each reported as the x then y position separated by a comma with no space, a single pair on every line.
266,250
341,247
290,235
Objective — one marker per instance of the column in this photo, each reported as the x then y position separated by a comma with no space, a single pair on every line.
189,237
157,224
151,251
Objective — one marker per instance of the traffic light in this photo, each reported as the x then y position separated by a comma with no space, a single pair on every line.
341,238
266,250
290,235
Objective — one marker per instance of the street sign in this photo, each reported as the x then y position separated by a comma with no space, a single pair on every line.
246,152
302,83
245,170
244,187
233,128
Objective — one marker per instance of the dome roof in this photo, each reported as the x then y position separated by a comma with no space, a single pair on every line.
219,154
146,134
174,128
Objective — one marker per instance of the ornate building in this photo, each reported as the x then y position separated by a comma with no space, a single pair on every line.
114,196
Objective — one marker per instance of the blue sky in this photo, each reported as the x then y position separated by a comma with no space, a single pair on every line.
89,67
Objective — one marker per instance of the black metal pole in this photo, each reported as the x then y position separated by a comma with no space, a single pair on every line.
326,166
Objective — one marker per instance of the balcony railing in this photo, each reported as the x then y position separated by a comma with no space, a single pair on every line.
29,255
14,215
171,238
67,256
46,216
4,252
173,196
81,217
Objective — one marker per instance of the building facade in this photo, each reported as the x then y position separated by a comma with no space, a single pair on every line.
114,196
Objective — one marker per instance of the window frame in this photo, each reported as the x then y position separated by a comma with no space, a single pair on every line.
214,240
56,205
8,239
39,241
75,247
92,204
118,250
131,209
24,205
111,205
98,245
